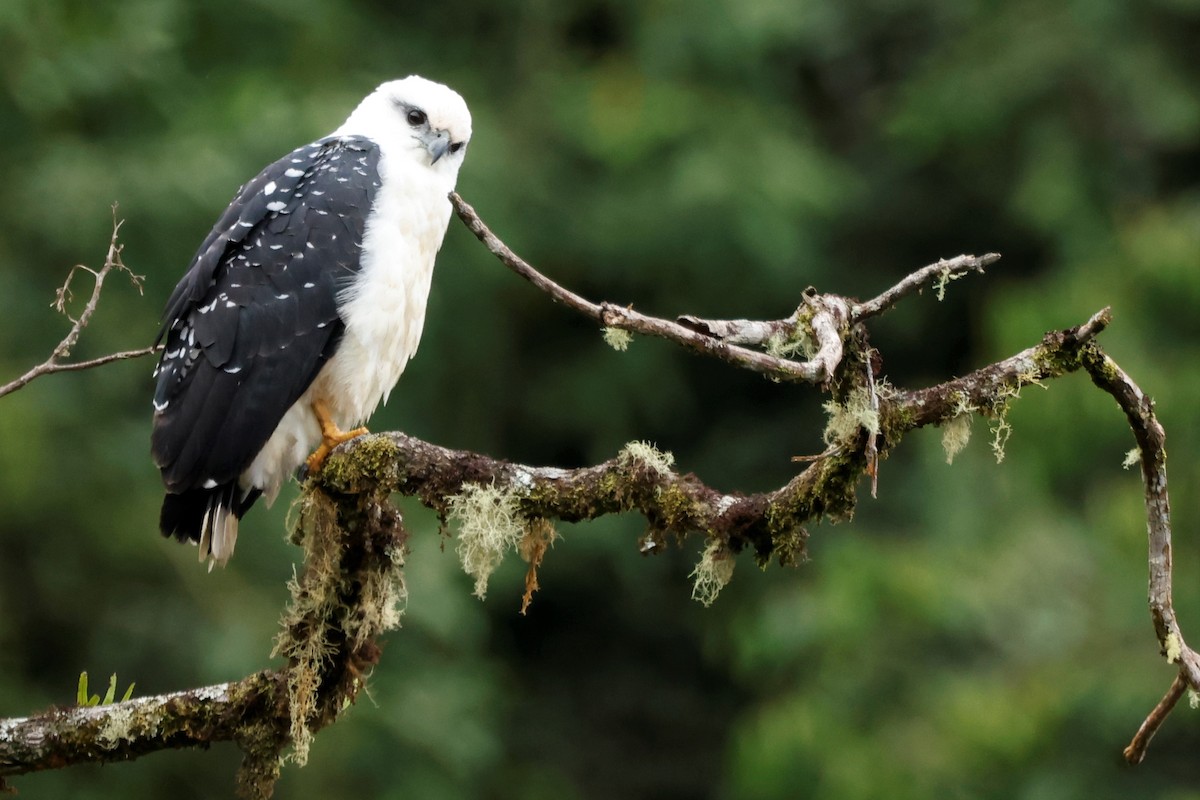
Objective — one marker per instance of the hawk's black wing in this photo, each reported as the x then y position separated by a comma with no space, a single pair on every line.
255,317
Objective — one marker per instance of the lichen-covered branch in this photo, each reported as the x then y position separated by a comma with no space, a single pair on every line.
638,479
752,332
773,524
676,504
989,390
348,594
123,731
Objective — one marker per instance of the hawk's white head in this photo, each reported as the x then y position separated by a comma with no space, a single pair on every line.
426,121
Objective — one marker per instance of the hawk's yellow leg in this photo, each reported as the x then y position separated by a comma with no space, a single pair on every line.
331,436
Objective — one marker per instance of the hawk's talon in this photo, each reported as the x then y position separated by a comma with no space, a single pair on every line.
331,437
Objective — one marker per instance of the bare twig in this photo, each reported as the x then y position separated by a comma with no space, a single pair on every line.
946,269
758,332
625,318
1136,750
1151,441
112,261
746,332
124,355
1095,325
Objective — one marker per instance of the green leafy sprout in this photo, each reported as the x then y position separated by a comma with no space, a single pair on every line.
82,698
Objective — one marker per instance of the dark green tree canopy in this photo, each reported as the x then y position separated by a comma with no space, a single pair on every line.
980,629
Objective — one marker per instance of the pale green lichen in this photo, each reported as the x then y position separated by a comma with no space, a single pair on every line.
1001,430
1132,458
846,419
712,573
884,390
955,436
308,646
1193,698
944,279
384,597
617,338
489,525
795,342
648,455
304,679
116,727
339,603
1173,648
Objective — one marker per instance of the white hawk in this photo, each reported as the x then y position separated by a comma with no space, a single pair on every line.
302,307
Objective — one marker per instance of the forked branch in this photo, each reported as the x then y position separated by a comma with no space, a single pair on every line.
55,363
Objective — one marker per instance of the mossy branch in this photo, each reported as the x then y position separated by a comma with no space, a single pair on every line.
349,593
126,730
771,524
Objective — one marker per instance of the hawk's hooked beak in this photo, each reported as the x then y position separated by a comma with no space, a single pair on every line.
437,143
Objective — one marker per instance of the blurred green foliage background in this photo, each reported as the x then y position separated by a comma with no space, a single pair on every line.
980,630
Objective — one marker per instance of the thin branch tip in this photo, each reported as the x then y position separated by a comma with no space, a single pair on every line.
63,296
937,274
1135,752
1094,326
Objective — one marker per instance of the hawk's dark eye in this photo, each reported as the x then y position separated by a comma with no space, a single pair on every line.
454,148
416,117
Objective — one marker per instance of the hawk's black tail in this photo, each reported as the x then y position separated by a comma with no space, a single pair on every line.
208,516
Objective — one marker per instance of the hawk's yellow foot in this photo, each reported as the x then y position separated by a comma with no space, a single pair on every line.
331,437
